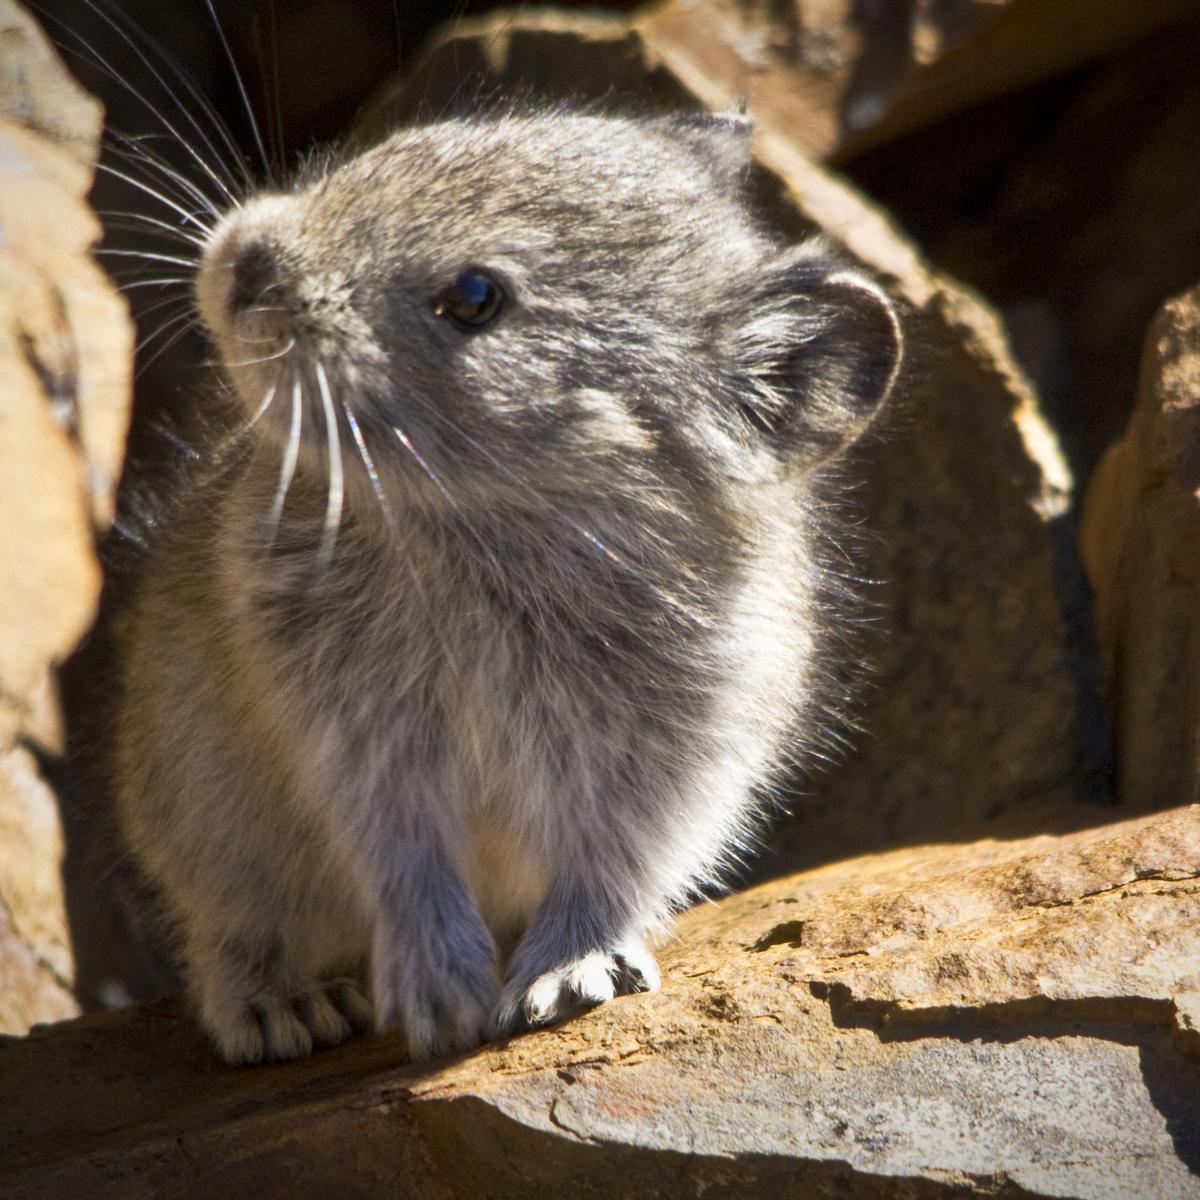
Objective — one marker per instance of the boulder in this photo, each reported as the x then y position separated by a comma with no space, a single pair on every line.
841,77
1070,206
65,357
1003,1019
1141,542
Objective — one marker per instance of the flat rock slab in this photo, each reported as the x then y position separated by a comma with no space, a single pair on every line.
999,1018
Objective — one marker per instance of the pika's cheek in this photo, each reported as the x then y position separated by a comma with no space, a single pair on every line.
608,418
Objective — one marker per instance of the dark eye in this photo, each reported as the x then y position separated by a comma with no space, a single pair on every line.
471,301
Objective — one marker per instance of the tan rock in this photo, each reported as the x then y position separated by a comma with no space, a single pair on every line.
1011,1018
35,953
1141,543
841,77
974,714
65,358
39,93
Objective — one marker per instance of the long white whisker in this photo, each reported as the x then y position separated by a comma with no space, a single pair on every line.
336,493
143,313
368,463
129,221
186,315
132,151
225,184
417,457
183,329
261,410
149,256
237,75
249,362
157,282
133,181
287,464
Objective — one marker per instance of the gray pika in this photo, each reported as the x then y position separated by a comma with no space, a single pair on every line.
470,660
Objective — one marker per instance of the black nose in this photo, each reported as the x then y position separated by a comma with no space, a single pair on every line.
255,271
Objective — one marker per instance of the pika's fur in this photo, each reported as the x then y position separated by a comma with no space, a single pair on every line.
469,662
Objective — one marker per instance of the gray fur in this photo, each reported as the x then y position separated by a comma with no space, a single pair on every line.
459,741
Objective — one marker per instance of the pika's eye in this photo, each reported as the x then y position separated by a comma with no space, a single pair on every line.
471,301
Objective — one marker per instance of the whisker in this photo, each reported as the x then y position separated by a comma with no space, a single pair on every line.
163,326
287,464
434,478
158,282
336,493
149,255
227,181
249,362
130,222
141,185
132,151
179,333
237,75
144,312
368,463
261,410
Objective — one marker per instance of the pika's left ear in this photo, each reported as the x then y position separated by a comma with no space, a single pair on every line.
818,349
721,139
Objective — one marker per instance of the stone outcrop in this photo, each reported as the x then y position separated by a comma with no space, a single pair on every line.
1141,542
65,357
1004,1018
841,77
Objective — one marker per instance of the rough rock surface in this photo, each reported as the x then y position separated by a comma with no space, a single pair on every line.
1004,1019
979,699
1072,207
842,76
35,952
1141,542
65,353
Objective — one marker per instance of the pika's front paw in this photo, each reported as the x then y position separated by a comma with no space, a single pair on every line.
270,1025
441,1008
555,994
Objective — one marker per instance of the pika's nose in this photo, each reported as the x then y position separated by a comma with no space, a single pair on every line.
255,273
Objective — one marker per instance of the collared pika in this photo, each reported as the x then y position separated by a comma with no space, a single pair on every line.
470,659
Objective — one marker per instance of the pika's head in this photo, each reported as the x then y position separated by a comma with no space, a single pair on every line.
580,303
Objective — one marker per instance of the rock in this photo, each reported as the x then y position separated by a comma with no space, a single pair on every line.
979,710
38,93
841,76
65,356
35,952
1141,542
1071,206
1005,1018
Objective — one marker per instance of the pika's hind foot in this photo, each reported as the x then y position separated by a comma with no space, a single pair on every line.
579,984
272,1026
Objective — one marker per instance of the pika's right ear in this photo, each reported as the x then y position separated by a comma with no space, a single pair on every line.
819,349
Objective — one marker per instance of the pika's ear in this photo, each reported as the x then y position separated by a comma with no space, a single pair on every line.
722,139
819,347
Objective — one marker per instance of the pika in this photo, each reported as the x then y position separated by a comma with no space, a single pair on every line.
471,659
